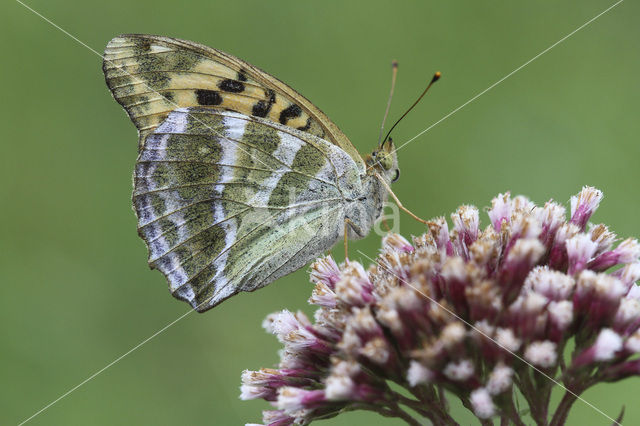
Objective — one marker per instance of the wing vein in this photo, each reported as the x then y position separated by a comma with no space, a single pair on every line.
195,185
226,219
211,280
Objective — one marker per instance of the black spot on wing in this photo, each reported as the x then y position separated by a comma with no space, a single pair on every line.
262,108
242,76
208,97
229,85
307,125
292,111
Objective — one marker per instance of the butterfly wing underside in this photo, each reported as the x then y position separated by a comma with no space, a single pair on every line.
228,202
151,75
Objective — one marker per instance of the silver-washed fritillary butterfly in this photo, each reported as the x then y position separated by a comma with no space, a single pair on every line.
239,179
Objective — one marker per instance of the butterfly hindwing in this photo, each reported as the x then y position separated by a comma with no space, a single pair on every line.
151,75
229,203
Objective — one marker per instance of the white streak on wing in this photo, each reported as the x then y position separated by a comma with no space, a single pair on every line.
224,292
287,148
234,129
327,173
177,124
286,152
186,292
161,145
159,49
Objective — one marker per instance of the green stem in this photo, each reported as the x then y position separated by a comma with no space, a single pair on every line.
389,412
511,413
532,394
429,402
562,412
405,416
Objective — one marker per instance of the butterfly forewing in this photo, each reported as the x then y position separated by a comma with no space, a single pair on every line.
229,203
150,76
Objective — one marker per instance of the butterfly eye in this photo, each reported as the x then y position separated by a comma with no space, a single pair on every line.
396,176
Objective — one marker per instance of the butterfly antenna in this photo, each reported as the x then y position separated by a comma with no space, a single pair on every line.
435,78
394,73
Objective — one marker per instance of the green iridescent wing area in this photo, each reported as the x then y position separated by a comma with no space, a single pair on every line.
150,76
229,203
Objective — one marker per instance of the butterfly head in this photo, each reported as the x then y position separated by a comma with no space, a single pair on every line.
384,161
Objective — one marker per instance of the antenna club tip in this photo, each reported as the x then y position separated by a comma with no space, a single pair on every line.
394,64
437,76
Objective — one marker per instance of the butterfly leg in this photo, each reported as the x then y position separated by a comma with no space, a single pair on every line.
403,208
347,222
386,224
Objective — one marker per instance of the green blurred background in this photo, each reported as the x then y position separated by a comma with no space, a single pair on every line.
76,292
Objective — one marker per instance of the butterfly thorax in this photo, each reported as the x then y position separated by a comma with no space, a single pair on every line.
380,164
364,211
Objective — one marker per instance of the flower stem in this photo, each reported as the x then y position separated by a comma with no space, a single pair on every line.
432,405
511,413
562,412
406,417
431,411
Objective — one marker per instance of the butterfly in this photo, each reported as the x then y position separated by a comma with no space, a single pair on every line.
239,179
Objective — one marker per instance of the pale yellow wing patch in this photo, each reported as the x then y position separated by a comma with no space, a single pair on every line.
151,76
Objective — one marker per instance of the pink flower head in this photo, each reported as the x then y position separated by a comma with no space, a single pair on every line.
583,205
500,210
325,271
480,312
